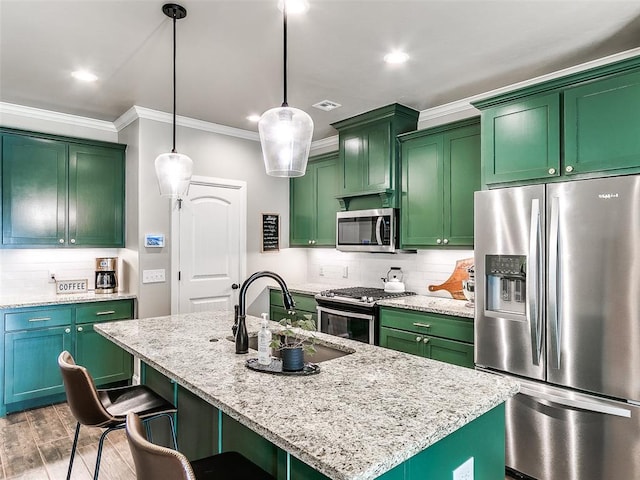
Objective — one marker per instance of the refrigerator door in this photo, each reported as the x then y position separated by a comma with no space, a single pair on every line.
554,433
593,316
509,336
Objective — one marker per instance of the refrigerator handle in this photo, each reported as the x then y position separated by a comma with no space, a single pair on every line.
581,404
554,270
534,282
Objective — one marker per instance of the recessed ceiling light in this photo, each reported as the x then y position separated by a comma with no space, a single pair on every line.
84,76
254,118
396,57
294,6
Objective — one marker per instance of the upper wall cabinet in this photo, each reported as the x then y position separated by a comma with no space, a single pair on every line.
581,126
368,155
61,192
440,173
313,203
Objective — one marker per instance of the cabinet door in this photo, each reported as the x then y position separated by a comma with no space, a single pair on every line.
522,140
377,157
601,125
96,196
106,361
450,351
462,179
277,313
302,209
326,203
352,153
34,183
402,341
422,206
31,362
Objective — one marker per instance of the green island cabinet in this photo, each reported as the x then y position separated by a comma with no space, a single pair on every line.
313,203
61,192
439,337
204,430
579,126
33,337
440,172
368,155
305,305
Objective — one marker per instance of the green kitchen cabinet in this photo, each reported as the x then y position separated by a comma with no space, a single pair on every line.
61,192
440,173
35,336
521,139
313,203
368,154
305,305
439,337
601,125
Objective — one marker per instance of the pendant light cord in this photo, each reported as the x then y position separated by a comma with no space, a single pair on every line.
284,17
173,150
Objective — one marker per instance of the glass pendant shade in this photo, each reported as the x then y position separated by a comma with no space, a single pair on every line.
285,136
174,172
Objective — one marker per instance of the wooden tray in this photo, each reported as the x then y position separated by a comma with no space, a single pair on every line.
453,285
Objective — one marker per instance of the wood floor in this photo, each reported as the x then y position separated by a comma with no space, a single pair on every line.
36,444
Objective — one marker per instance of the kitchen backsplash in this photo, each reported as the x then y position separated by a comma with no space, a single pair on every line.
427,267
26,271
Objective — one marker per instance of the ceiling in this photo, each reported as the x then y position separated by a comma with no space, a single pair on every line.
230,53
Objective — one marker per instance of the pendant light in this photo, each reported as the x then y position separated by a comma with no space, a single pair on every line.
285,132
174,169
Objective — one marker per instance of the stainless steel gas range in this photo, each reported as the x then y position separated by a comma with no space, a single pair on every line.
352,312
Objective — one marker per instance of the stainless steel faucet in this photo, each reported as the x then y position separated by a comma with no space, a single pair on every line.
239,324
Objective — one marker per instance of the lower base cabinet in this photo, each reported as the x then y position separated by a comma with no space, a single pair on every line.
439,337
35,336
305,305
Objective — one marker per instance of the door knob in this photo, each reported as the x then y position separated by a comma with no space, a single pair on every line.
80,329
568,169
61,240
438,241
446,240
418,339
235,286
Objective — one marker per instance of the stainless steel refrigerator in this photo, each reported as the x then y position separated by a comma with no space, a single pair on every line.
558,308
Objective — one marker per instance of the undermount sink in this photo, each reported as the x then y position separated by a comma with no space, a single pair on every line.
323,352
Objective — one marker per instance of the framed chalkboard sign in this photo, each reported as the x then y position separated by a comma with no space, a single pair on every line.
270,232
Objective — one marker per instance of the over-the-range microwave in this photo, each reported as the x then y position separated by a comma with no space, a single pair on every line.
367,230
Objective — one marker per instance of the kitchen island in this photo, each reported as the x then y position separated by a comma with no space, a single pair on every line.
374,413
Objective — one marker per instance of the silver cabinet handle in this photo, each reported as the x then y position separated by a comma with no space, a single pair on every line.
80,329
73,240
423,325
418,339
61,240
438,241
39,319
568,169
107,312
313,242
552,171
426,340
67,330
446,240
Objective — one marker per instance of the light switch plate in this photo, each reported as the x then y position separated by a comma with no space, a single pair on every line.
153,276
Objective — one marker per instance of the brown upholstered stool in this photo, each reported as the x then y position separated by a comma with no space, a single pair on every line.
107,408
154,462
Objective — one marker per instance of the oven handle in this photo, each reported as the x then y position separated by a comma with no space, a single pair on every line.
344,313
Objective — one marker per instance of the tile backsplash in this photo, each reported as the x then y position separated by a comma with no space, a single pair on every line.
427,267
26,271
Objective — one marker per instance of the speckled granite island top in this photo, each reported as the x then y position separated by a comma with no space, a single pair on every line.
362,415
19,301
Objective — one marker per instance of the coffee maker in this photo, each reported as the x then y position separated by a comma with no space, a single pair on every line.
106,281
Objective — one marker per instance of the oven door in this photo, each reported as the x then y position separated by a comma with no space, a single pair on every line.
352,325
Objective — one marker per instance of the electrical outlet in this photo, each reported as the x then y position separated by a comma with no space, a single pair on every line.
322,271
464,471
153,276
345,272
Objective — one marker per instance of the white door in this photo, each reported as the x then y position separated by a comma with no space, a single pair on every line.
209,248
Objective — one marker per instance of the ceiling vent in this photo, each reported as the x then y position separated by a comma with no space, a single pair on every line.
326,105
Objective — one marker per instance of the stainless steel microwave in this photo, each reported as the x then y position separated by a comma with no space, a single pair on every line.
367,230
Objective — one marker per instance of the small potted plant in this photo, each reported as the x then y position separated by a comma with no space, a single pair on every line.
292,347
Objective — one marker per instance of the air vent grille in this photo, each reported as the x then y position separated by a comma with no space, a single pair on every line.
326,105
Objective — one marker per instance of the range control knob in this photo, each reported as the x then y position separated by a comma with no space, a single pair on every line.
369,299
363,298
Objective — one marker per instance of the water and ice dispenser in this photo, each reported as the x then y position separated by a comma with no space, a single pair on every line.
506,283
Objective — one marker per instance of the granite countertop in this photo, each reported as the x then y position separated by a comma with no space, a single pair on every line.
19,301
423,303
307,288
362,415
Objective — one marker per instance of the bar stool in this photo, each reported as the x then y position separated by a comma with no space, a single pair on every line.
107,408
153,462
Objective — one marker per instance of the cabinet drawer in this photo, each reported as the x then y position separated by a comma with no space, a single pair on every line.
30,319
450,351
303,302
455,328
104,311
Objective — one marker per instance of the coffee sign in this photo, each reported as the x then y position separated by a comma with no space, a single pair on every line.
71,286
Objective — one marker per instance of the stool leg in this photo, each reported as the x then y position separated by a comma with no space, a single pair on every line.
100,445
173,431
73,450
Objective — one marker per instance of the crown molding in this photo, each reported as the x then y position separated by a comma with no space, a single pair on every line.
328,142
50,116
137,112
